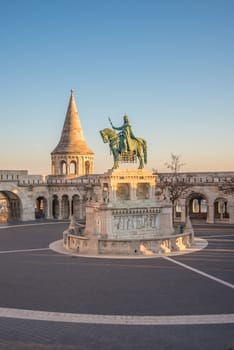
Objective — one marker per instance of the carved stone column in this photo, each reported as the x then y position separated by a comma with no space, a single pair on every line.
152,192
133,188
183,210
49,208
113,190
210,214
70,207
60,207
231,212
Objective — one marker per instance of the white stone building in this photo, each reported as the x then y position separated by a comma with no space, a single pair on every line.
72,184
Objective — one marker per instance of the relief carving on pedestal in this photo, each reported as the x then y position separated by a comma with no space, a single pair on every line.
127,220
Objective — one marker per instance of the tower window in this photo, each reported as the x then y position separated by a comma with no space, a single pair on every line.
73,168
63,168
87,168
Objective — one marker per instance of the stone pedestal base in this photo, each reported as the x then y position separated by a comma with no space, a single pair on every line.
160,245
128,219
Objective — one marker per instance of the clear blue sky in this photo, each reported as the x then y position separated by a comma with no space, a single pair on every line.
168,64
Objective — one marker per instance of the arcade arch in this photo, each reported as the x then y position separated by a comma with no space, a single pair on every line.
40,207
75,207
87,167
78,205
178,208
65,207
221,209
55,207
10,207
73,168
197,207
63,168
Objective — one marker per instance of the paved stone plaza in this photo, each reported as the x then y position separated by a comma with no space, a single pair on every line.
54,301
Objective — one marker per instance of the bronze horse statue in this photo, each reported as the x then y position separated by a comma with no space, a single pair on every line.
138,147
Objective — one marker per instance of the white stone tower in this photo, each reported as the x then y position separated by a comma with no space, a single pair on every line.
72,157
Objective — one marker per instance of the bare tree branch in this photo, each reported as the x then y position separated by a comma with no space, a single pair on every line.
174,186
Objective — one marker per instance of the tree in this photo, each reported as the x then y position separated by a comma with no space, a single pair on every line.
175,164
174,186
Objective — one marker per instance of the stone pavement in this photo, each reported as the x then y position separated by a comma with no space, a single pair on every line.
180,302
12,345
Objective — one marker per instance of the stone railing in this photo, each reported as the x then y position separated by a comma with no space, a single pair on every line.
89,179
206,178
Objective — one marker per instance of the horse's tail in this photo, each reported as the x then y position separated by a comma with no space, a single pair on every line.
144,148
145,151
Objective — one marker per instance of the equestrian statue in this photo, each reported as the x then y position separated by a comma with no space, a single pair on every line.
124,145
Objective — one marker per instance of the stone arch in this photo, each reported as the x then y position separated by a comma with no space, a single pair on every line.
63,167
10,207
73,167
55,207
142,190
123,191
87,167
197,207
221,209
178,208
40,207
76,206
65,207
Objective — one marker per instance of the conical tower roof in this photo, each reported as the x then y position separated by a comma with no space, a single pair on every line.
72,138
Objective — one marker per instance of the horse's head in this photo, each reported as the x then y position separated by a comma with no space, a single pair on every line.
107,134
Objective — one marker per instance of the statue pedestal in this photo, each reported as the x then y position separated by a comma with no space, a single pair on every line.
128,219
